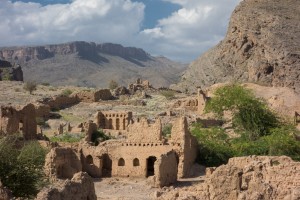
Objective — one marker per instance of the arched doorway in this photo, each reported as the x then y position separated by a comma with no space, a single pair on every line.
107,165
150,165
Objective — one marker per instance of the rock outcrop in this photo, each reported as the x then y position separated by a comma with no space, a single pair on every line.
91,64
80,187
9,72
261,46
246,178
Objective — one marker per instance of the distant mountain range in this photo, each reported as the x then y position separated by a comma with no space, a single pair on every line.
92,65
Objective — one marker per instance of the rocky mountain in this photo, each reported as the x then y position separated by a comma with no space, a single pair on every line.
90,64
261,45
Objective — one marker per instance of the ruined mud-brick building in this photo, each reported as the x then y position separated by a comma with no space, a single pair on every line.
143,153
18,119
94,96
113,123
139,85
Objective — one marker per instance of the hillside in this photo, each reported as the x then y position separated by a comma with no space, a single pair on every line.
90,64
261,45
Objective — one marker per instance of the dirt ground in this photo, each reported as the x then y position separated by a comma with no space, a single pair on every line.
137,188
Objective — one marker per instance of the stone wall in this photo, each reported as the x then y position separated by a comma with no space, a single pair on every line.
185,145
42,110
80,187
62,163
256,177
18,119
166,170
60,102
143,131
94,96
113,120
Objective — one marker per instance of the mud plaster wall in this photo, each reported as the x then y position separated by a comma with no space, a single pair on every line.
62,163
19,119
60,102
166,169
143,131
185,145
94,96
113,120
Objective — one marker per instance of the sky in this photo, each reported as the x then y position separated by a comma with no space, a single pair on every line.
179,29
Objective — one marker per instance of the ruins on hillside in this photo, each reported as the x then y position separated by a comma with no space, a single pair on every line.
139,85
144,152
18,119
94,96
112,122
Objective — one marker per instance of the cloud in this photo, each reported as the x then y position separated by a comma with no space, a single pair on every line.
183,35
196,27
92,20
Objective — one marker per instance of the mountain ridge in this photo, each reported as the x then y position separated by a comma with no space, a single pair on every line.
90,64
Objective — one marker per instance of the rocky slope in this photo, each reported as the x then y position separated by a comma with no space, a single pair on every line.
262,45
90,64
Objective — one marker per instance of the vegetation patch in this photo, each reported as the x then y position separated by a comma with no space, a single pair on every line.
260,131
99,136
21,166
68,137
169,94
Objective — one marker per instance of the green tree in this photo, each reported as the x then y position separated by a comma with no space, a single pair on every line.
250,114
21,169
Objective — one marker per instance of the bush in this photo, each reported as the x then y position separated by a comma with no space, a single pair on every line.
113,85
250,115
30,86
21,169
68,137
99,135
66,92
169,94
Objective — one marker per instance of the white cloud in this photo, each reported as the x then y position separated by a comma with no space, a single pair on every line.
193,29
183,35
91,20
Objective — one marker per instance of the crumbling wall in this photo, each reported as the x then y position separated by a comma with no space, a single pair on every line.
188,104
60,102
18,119
256,177
42,110
143,131
185,146
62,163
113,120
80,187
165,170
94,96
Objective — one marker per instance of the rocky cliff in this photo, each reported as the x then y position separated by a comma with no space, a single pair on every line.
91,64
261,45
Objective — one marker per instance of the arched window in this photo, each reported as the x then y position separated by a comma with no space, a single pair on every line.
136,162
121,162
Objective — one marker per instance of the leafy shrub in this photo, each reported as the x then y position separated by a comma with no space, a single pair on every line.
113,85
99,135
169,94
67,137
261,132
66,92
214,148
30,86
250,115
45,84
21,169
